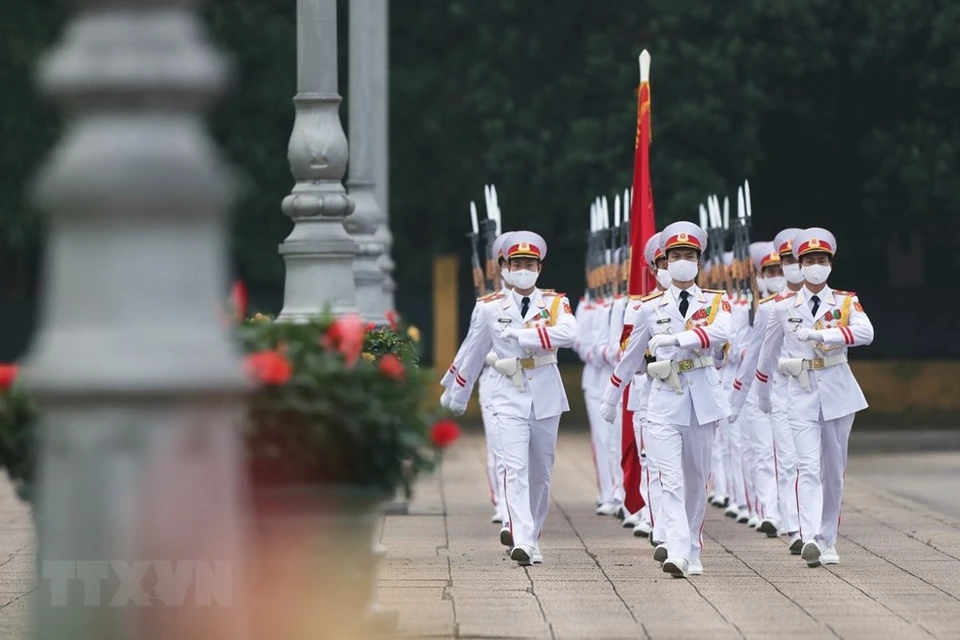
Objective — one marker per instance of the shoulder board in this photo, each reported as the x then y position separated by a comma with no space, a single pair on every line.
651,296
547,291
769,298
491,297
551,292
845,293
637,297
723,291
785,296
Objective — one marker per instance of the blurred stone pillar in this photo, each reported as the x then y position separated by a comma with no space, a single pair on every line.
318,252
378,54
138,381
367,217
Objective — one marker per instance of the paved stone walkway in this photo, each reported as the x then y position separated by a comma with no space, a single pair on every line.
448,577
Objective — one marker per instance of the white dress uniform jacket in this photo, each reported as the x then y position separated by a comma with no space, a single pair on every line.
831,391
700,388
542,388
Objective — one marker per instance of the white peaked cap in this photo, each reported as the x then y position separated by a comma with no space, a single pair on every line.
526,244
814,239
784,240
651,251
683,234
499,245
763,254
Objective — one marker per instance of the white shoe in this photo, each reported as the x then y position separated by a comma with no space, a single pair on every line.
696,568
830,556
678,568
733,511
719,500
506,537
660,553
523,554
811,554
537,556
607,509
496,519
796,544
743,516
753,521
770,527
642,529
632,521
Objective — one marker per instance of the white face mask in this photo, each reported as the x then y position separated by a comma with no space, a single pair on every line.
506,276
524,279
792,273
816,274
664,279
762,285
683,270
775,284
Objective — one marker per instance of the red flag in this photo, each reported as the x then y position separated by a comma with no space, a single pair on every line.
642,221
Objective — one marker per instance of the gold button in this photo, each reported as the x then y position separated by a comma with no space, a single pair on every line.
529,377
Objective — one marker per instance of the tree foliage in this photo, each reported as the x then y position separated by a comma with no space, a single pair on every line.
839,114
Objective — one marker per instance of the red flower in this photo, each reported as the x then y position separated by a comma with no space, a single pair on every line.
238,298
8,373
390,365
393,318
444,433
268,367
346,336
371,326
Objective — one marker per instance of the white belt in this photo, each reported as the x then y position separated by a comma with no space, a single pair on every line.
669,370
798,367
512,367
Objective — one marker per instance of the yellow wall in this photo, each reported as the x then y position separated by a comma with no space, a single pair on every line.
920,393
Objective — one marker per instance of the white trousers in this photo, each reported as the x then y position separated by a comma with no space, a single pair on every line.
718,462
650,486
529,448
616,454
734,460
762,457
821,462
491,432
683,453
786,467
600,431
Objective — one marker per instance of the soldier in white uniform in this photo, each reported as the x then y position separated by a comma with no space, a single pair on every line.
589,384
757,427
807,338
743,390
491,431
608,342
648,520
681,327
521,331
590,347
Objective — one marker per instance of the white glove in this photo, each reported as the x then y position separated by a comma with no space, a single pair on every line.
809,335
510,334
608,411
765,403
734,414
457,407
662,340
445,399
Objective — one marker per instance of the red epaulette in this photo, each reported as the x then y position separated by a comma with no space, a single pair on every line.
845,293
784,296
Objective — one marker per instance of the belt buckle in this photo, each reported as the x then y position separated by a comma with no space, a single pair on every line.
685,365
526,363
816,364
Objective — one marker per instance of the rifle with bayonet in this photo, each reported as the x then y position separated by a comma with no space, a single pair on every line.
626,251
489,228
746,282
478,280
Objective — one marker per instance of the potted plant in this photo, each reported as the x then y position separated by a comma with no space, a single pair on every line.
337,424
18,447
